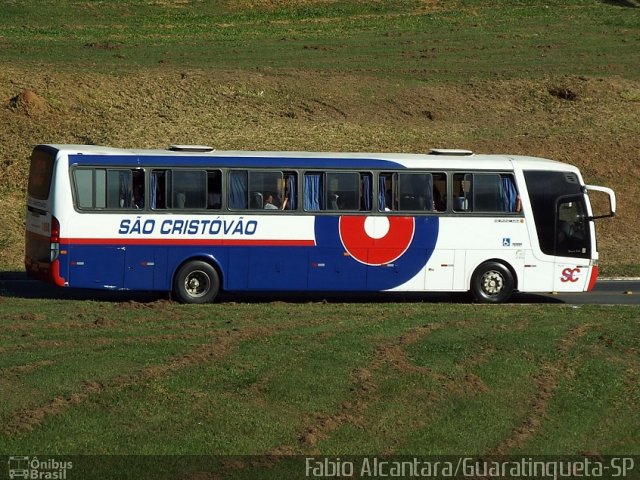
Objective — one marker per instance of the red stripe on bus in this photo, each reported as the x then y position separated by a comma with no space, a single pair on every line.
179,241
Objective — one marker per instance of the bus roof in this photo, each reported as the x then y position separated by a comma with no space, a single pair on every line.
406,160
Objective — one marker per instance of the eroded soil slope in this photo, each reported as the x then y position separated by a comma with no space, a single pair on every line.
592,123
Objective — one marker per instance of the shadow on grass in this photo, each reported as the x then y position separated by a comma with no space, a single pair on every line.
622,3
18,285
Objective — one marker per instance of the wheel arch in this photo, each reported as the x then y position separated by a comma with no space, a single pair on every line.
210,259
502,261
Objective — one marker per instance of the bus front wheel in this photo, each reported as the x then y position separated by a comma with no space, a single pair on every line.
196,282
492,282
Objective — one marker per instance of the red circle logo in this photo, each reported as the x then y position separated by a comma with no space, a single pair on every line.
376,240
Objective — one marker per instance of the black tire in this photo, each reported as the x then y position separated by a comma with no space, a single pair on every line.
492,282
196,282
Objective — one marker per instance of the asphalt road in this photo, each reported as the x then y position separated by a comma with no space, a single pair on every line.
606,292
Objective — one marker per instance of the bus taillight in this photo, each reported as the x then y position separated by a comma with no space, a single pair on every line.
54,238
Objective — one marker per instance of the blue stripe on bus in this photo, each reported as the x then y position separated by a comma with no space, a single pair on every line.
231,162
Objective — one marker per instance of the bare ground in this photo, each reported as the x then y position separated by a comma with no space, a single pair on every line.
593,123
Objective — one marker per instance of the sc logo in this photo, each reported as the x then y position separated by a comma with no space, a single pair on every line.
570,275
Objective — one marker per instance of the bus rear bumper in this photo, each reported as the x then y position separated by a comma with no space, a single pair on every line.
45,271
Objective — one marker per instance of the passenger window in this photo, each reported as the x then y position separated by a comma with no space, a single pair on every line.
160,181
178,189
112,189
214,189
337,191
262,190
485,193
238,190
412,191
84,188
343,191
313,192
189,189
439,192
462,199
415,191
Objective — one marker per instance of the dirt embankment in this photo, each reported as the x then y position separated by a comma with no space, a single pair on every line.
592,123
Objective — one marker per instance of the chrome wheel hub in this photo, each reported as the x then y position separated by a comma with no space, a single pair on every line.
492,282
197,283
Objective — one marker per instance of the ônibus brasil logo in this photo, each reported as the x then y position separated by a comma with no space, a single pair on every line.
34,468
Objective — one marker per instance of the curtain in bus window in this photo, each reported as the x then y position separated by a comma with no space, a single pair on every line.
125,189
508,194
382,204
313,191
428,192
154,186
238,190
292,194
366,192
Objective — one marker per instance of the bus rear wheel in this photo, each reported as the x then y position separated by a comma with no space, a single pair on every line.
492,282
196,282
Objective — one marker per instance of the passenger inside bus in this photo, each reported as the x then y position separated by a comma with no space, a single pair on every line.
269,203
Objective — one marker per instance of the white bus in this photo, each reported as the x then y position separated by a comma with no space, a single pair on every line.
195,221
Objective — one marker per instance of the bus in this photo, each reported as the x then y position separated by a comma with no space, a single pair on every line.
195,221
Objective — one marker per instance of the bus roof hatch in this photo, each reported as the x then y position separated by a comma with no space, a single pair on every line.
450,151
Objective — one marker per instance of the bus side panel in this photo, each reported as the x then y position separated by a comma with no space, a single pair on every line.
96,266
237,274
537,273
161,273
398,272
440,270
331,268
278,268
571,275
140,267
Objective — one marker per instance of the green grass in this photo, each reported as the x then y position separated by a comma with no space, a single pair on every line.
344,379
404,39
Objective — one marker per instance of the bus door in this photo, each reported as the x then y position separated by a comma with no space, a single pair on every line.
572,244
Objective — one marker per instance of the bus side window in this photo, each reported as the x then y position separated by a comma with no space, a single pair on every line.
387,192
125,189
84,187
509,198
485,192
415,191
439,192
238,193
366,192
343,191
160,179
189,189
313,189
97,188
290,191
138,189
214,189
337,191
462,188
